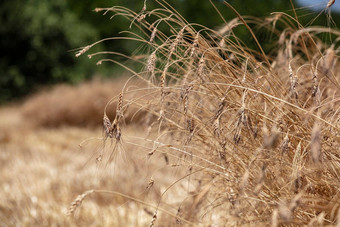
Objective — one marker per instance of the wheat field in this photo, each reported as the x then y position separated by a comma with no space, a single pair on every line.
207,132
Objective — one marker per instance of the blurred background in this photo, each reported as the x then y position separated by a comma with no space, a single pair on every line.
39,38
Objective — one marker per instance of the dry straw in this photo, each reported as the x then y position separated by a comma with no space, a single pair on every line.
330,3
154,218
315,144
77,202
214,94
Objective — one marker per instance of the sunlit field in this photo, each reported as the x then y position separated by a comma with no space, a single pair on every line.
204,131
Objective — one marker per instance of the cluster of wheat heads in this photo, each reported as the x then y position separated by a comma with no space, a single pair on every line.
258,133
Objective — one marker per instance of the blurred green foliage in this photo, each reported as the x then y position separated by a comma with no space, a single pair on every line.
37,36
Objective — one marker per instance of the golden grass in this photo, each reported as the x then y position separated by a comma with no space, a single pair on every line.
79,105
44,169
240,137
258,133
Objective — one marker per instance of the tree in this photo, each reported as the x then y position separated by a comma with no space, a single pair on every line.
36,39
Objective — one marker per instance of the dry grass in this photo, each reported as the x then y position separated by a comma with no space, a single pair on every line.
44,169
80,105
241,137
257,133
